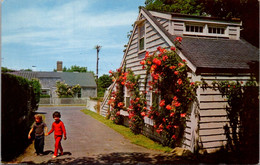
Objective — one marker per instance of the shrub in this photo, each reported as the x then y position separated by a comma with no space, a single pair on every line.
20,98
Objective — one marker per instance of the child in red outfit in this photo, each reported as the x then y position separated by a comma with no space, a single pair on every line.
59,130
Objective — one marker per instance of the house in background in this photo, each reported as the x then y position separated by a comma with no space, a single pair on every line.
48,81
214,52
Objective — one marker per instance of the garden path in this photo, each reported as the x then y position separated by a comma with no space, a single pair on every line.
90,141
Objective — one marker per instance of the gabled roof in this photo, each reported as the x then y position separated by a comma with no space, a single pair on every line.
210,54
83,79
71,78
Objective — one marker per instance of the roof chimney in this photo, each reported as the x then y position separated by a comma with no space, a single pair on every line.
59,66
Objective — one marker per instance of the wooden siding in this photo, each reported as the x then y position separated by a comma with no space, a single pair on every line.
163,22
213,115
233,32
178,27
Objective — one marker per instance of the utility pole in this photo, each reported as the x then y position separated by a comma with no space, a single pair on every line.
98,47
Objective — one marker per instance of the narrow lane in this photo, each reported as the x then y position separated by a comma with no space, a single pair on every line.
87,138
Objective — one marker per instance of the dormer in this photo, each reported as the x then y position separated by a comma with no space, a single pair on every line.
198,26
186,25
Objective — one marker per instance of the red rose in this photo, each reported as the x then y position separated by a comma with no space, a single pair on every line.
147,54
162,103
143,113
172,114
157,62
179,39
172,67
168,107
183,114
176,72
173,48
142,62
165,58
180,64
179,81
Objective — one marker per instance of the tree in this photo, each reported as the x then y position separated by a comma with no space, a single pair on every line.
192,7
75,68
64,90
5,69
104,82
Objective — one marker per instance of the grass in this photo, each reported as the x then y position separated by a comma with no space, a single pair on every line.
140,140
63,105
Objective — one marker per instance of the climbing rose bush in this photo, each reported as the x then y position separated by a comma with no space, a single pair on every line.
137,108
172,94
116,101
172,91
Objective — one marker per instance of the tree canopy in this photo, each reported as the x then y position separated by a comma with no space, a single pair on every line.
104,82
75,68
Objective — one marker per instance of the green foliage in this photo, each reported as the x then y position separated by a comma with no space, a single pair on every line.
103,83
4,70
75,68
243,113
19,102
44,96
65,91
192,7
36,89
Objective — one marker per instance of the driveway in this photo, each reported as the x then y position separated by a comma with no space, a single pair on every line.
90,141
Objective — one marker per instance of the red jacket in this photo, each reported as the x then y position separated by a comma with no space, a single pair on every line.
58,128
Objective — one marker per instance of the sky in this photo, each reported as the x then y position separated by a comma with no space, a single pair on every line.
38,33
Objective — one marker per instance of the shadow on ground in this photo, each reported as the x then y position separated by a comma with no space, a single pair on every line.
146,158
122,158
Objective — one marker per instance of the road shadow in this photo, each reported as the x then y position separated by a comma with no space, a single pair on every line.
40,113
121,158
145,158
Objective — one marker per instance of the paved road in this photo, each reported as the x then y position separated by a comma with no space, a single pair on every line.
90,141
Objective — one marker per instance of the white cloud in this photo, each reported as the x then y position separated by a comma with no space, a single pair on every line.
68,32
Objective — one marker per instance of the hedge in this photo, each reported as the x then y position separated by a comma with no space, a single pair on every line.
20,98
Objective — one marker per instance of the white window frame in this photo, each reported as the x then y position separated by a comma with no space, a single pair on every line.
216,34
194,25
127,97
205,30
143,37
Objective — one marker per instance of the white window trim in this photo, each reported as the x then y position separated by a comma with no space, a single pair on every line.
142,23
127,95
206,30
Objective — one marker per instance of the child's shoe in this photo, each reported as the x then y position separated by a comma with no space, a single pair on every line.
53,157
61,153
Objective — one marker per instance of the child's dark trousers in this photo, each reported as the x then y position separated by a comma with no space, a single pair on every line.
39,144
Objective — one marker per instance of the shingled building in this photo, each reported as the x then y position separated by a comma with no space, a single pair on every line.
213,50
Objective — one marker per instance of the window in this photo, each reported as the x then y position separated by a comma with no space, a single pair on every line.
127,97
79,94
155,99
141,36
194,28
216,30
